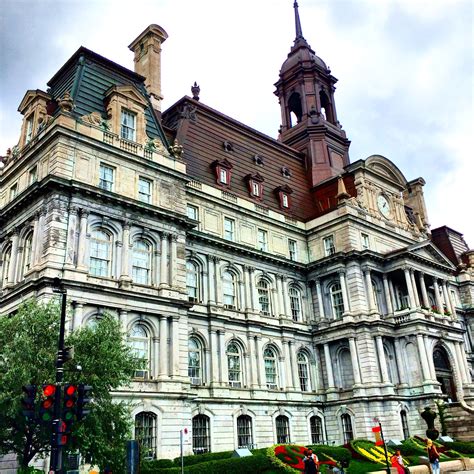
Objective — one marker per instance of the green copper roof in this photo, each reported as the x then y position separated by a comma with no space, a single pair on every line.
87,76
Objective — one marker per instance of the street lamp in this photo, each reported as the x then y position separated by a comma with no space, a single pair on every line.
56,448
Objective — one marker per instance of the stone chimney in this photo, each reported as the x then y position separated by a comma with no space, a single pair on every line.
147,50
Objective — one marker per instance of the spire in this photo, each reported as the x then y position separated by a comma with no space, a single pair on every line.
299,32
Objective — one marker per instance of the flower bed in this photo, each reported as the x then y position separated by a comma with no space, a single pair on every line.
290,457
370,452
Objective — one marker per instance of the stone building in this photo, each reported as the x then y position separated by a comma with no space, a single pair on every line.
277,291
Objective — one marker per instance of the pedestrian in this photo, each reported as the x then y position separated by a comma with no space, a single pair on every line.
399,463
310,462
433,456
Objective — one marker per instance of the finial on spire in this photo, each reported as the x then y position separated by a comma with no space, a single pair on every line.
299,32
195,89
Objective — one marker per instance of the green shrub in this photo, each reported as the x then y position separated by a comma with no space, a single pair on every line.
150,466
410,448
464,447
336,452
361,467
201,458
247,465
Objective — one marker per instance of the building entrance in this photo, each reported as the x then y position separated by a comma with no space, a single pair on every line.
444,373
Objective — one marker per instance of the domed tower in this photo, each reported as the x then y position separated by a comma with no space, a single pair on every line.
309,120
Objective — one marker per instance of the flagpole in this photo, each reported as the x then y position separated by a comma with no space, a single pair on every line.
384,448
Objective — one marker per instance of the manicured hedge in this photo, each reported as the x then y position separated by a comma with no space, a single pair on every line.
201,458
336,452
464,447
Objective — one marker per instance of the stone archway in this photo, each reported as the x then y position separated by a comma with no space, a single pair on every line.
444,372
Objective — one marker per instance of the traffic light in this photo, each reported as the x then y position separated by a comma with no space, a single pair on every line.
69,403
28,401
61,433
84,392
47,403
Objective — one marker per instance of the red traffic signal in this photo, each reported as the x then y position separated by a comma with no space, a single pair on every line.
47,404
28,401
69,402
61,433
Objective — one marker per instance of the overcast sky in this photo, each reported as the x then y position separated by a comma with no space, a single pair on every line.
405,70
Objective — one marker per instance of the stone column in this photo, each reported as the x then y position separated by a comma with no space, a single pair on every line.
415,289
402,370
425,369
288,383
155,270
261,364
388,298
294,365
424,294
173,260
345,298
411,297
71,236
155,357
429,358
40,239
452,302
13,257
279,307
463,365
253,376
163,346
369,289
77,315
210,280
248,289
217,280
446,297
382,359
319,295
330,374
125,267
34,240
81,244
123,319
174,341
164,283
256,306
354,361
439,303
286,296
223,372
214,357
392,294
19,263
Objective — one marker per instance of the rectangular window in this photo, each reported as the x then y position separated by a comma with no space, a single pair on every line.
106,177
293,250
13,191
365,241
192,212
144,190
262,240
244,432
256,189
229,229
223,176
33,175
284,200
29,129
128,125
329,248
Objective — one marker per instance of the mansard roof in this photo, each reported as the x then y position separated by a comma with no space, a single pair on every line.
88,76
206,134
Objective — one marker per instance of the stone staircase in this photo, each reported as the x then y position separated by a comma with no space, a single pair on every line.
461,423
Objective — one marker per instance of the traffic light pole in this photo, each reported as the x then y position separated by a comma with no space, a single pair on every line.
56,448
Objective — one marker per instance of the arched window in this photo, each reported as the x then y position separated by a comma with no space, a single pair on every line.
345,369
228,289
93,320
326,108
282,429
7,257
201,434
271,373
100,253
192,281
244,432
27,253
140,343
294,106
295,303
316,427
141,262
145,433
303,372
195,361
404,420
234,365
263,289
337,301
347,432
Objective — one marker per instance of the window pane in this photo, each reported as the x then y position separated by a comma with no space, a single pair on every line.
228,288
128,127
144,190
329,248
337,300
192,212
262,240
292,249
295,303
347,428
192,280
145,433
194,359
303,372
141,262
316,425
201,438
270,368
100,248
106,177
234,365
229,228
244,432
282,429
263,297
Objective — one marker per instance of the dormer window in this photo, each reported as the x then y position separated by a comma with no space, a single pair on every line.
128,125
29,129
255,185
283,194
223,171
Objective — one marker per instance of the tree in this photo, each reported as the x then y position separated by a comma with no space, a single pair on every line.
28,349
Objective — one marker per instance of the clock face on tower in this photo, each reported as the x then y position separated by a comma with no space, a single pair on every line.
383,205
